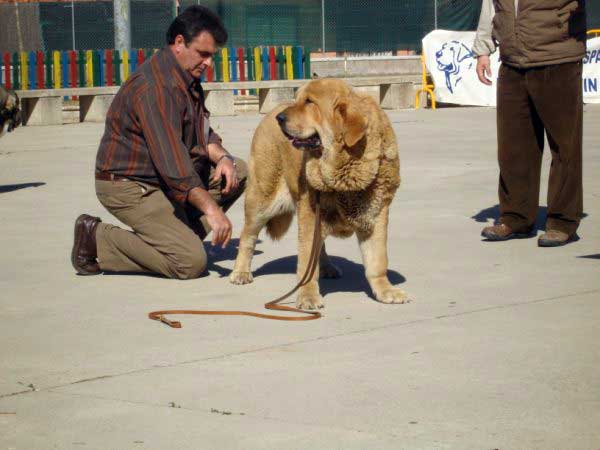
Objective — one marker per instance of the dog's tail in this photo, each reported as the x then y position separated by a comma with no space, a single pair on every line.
278,225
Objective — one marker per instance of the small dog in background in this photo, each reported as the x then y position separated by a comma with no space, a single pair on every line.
10,114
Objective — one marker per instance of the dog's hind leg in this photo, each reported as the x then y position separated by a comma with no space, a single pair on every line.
373,246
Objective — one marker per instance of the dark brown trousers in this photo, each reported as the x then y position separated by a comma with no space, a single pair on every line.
531,101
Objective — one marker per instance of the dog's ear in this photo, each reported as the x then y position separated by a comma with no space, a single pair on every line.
354,125
463,53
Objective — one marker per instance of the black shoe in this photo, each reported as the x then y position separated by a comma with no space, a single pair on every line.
84,253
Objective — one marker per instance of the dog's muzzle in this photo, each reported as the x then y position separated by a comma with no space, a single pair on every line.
312,142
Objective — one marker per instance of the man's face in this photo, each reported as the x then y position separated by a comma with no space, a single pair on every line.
197,56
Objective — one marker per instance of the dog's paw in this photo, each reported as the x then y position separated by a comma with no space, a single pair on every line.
241,277
305,301
392,295
330,270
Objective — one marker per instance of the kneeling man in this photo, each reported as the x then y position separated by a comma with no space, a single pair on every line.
160,168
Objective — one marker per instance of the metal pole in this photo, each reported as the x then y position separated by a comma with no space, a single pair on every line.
122,25
435,9
73,22
323,25
18,20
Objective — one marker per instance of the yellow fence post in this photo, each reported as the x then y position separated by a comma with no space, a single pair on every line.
257,64
225,61
89,68
425,86
289,65
24,70
56,73
125,64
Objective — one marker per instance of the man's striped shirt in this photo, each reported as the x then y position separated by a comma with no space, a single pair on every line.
157,129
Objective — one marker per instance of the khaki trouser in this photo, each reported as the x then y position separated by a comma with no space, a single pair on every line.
531,101
166,238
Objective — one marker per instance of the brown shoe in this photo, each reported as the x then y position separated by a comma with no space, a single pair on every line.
555,238
502,232
84,253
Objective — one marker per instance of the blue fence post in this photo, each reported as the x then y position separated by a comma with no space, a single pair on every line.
264,58
132,61
233,72
298,66
32,57
64,65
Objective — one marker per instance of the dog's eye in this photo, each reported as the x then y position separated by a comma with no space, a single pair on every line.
308,101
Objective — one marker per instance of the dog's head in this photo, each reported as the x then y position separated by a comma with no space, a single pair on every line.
451,55
325,116
10,113
333,124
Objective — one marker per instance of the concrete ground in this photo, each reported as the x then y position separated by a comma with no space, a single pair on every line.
500,348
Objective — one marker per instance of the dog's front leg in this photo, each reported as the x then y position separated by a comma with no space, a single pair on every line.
373,246
308,295
253,223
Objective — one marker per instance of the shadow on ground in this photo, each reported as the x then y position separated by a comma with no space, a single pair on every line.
229,253
15,187
596,256
352,280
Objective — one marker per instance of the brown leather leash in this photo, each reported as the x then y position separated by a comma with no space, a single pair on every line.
272,305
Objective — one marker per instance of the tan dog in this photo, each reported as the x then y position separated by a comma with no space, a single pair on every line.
341,144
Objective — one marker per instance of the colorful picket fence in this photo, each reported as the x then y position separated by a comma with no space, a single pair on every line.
90,68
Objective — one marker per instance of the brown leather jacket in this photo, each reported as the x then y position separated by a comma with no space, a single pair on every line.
541,32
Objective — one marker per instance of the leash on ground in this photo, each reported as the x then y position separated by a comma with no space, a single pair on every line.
272,305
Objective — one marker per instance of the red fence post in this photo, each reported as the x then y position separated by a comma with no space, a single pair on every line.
73,68
272,63
241,67
140,57
6,59
39,67
109,68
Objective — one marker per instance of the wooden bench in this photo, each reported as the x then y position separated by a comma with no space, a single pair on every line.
44,106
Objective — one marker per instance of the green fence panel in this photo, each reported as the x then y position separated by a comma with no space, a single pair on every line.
306,61
48,63
16,63
117,67
81,67
97,62
280,58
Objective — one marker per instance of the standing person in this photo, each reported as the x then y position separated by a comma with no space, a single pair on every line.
160,167
542,44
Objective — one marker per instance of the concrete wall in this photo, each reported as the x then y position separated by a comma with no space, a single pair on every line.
365,66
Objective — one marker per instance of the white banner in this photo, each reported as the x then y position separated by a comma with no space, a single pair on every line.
451,64
591,72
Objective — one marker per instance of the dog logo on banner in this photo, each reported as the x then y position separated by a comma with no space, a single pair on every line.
454,58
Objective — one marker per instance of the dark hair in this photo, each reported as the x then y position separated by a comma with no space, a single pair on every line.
193,21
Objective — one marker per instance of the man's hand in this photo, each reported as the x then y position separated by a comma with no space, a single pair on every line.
484,70
226,168
221,227
216,218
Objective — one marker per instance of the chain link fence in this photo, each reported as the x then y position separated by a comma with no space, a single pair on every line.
352,26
